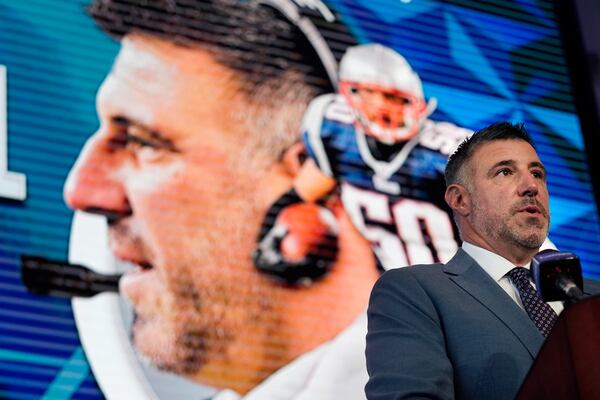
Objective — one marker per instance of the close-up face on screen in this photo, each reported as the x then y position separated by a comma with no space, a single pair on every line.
197,197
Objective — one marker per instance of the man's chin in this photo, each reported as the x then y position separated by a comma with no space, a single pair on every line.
164,349
532,241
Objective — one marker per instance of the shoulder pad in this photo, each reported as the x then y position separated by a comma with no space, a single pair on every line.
327,107
442,136
314,132
340,111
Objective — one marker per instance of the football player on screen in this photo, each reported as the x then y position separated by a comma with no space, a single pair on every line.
372,142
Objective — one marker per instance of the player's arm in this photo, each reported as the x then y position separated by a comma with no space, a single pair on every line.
312,184
309,186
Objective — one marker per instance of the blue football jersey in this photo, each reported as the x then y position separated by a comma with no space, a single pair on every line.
396,203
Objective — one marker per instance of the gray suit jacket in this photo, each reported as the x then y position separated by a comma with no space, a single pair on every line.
445,332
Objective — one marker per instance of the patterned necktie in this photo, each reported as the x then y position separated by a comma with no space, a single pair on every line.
540,312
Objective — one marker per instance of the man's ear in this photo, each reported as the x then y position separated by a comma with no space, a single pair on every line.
293,158
459,199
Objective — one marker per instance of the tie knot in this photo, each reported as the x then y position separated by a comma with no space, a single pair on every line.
519,275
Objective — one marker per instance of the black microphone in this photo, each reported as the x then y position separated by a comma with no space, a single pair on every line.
43,276
557,276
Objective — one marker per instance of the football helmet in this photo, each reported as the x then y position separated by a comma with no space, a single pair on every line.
384,91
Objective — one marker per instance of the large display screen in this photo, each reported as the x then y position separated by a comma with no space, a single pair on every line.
161,139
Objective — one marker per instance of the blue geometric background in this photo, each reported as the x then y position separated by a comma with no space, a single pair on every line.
486,61
482,60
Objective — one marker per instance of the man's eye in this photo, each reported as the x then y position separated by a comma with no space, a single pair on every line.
134,142
504,172
538,174
143,137
145,150
146,145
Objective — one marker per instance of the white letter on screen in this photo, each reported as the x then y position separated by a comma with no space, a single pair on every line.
12,184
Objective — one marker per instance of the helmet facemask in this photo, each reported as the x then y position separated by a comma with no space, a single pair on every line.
387,114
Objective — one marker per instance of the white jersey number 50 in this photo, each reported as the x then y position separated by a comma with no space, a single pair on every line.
422,228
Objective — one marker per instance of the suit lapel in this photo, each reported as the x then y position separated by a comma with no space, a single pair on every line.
467,274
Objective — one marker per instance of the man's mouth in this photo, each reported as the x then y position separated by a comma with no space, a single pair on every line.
144,266
531,209
131,266
137,271
130,259
137,281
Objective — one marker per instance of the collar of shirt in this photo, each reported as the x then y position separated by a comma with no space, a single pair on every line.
495,265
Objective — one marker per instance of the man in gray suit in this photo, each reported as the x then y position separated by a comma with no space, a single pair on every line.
466,329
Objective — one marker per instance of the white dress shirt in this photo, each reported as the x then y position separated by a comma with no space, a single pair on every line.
497,267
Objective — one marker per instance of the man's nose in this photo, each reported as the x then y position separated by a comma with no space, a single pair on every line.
528,186
93,185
